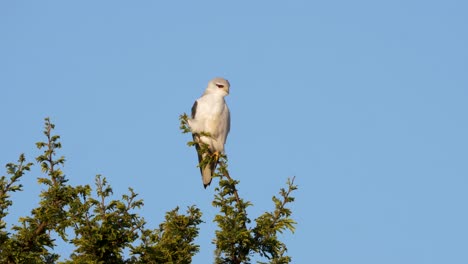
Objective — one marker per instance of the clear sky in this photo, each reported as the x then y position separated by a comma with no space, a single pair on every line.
365,102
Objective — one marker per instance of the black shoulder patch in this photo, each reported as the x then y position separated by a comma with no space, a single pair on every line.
194,109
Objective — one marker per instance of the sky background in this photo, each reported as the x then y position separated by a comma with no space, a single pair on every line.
365,102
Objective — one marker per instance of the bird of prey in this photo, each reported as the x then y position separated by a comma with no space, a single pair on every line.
210,124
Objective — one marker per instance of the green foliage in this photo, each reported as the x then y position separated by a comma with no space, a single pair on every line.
107,230
172,242
101,229
8,186
104,228
235,241
184,124
32,240
270,224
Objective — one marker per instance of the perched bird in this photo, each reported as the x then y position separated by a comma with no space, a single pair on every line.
210,124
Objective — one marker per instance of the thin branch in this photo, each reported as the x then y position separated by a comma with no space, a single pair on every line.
285,201
225,172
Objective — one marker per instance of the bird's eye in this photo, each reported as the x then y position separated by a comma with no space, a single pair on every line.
220,85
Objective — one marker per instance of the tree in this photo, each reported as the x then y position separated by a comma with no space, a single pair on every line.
235,240
102,229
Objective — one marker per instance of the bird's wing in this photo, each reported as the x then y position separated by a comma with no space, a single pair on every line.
196,137
194,109
228,125
224,126
206,171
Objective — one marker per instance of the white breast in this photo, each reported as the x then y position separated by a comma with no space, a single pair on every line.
213,117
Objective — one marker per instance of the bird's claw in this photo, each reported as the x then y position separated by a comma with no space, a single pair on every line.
216,155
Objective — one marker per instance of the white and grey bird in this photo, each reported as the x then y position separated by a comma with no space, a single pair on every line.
210,115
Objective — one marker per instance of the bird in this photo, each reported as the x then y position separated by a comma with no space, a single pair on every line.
210,123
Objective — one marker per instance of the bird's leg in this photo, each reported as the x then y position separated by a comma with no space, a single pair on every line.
215,155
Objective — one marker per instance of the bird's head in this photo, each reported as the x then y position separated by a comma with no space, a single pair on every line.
219,86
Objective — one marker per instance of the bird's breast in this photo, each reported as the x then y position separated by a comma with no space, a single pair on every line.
212,113
211,107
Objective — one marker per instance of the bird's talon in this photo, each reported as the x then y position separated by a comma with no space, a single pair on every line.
216,155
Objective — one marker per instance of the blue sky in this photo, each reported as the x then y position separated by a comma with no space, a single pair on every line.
365,102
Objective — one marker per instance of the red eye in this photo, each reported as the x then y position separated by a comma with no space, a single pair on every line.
220,85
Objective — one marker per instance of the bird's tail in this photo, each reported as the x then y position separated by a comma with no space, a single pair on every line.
207,174
208,171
